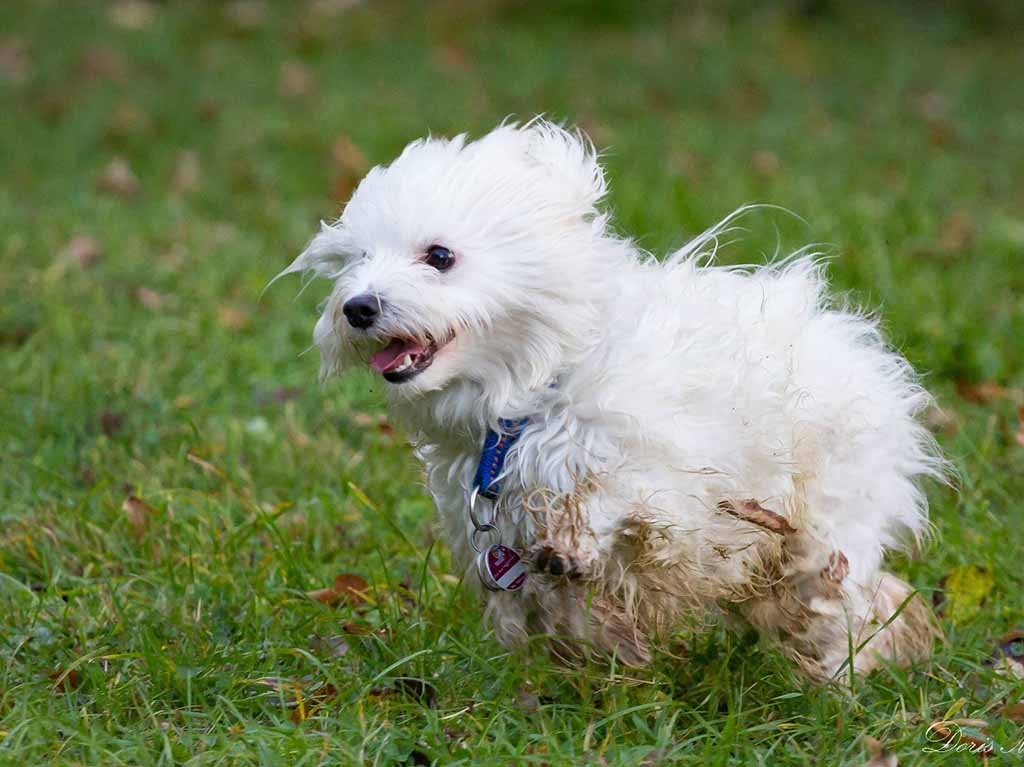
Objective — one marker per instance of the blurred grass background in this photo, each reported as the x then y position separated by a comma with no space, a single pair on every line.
174,480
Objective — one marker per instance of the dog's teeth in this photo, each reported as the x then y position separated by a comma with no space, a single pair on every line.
406,364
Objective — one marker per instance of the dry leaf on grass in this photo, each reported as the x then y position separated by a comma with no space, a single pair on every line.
348,156
187,171
765,163
348,589
132,14
111,422
296,81
987,391
961,735
1014,712
958,231
753,512
309,705
128,119
232,317
246,15
82,251
15,64
118,179
451,59
65,680
100,63
343,187
1019,436
149,298
138,513
304,699
327,9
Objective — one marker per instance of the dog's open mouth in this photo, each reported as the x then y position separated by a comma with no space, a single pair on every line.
404,358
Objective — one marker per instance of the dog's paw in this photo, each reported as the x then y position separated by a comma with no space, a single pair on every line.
547,560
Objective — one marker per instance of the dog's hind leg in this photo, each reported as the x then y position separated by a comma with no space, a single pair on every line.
825,623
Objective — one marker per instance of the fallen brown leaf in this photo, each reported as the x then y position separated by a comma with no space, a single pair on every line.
82,250
753,512
307,707
128,119
328,9
932,105
132,14
344,185
118,179
101,62
1020,426
451,59
296,81
1014,712
952,732
958,231
348,156
187,172
348,589
765,163
138,513
15,64
246,15
87,476
111,422
232,317
987,391
149,298
65,681
209,110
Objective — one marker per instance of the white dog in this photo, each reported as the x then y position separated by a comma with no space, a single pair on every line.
629,442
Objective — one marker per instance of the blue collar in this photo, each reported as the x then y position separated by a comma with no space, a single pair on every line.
492,457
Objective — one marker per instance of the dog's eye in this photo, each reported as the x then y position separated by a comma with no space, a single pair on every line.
440,258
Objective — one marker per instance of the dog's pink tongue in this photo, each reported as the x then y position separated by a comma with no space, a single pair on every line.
391,356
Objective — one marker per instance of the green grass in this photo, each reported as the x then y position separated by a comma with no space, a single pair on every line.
896,132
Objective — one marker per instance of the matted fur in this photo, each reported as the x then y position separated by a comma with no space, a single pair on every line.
662,397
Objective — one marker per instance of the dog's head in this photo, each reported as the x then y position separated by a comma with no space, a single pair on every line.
461,260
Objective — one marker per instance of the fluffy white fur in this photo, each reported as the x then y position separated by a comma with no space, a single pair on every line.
702,439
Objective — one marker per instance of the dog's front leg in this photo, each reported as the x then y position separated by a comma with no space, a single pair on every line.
564,544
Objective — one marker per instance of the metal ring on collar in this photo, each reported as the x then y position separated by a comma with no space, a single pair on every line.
485,528
478,524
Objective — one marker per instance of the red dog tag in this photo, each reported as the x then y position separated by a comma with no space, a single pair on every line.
501,568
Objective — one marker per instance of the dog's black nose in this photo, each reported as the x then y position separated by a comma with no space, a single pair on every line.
362,310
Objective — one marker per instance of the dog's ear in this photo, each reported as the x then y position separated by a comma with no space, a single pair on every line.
572,162
325,255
